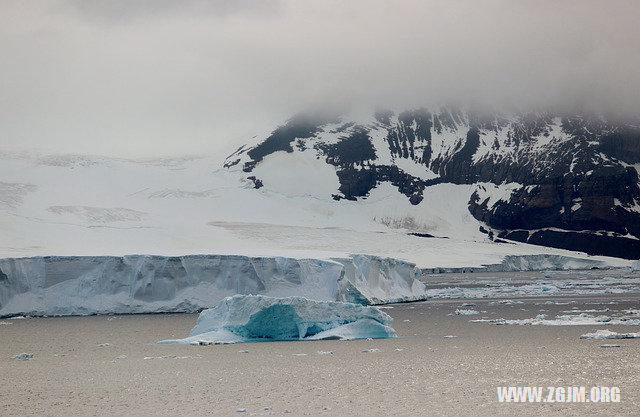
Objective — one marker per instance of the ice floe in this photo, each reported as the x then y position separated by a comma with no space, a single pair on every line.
585,284
23,356
582,319
466,312
608,334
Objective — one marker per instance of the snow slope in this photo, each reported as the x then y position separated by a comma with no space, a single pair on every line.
94,206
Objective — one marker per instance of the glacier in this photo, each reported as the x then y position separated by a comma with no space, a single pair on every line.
83,285
254,318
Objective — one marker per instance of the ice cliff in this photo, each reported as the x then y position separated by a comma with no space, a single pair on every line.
151,284
253,318
540,262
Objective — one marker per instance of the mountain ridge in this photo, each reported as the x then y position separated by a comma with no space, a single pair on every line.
566,181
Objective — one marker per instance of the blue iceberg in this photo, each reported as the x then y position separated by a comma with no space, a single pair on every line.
257,318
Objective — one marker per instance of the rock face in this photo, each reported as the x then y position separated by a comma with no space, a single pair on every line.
152,284
561,180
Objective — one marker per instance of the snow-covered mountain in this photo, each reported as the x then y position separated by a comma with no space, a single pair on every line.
324,188
558,180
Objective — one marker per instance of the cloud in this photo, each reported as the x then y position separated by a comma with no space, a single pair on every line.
164,77
115,11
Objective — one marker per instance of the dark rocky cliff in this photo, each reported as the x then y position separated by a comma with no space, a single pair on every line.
574,185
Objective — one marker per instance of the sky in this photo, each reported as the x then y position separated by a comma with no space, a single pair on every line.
153,78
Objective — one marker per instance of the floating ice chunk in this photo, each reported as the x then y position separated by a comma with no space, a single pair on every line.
322,352
507,302
582,319
609,346
371,351
146,358
463,312
593,310
254,318
608,334
24,356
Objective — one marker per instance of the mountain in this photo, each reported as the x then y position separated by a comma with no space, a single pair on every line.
566,181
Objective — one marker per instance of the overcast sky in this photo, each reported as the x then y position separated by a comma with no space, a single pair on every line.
159,77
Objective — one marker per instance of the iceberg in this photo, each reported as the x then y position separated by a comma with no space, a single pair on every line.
256,318
83,285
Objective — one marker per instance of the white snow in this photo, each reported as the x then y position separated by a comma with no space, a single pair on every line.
62,205
635,207
415,169
92,215
259,318
302,174
492,193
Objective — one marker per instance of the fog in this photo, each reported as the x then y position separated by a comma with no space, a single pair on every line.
159,77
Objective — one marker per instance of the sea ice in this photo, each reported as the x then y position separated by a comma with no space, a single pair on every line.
253,318
466,312
582,319
24,356
608,334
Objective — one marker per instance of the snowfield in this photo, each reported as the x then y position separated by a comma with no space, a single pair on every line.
76,205
258,318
